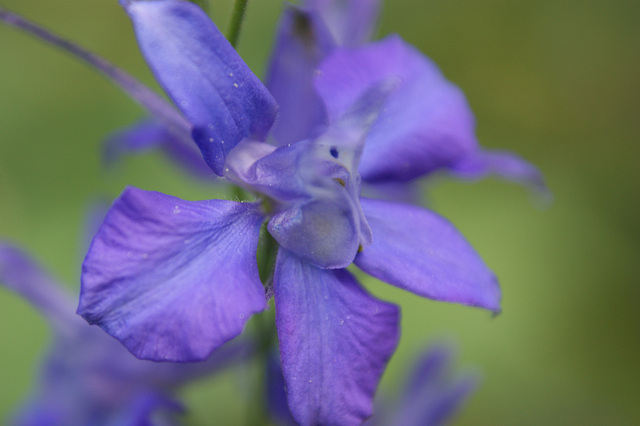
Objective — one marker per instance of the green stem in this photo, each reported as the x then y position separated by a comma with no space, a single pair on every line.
265,339
238,193
235,22
264,334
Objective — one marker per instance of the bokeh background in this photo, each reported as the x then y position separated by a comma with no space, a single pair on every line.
555,81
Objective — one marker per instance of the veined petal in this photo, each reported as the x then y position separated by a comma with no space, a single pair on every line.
203,74
301,44
351,22
173,279
503,164
421,252
426,123
20,273
335,341
147,135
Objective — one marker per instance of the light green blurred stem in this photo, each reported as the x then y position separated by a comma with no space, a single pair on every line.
264,333
235,22
264,336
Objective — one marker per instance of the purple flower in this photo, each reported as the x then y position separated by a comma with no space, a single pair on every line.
430,395
174,279
87,377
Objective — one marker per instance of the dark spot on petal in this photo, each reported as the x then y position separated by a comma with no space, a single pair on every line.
334,152
303,28
340,181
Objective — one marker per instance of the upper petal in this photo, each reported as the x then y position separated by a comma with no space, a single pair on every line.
301,44
335,341
351,22
420,251
426,122
20,273
173,279
203,74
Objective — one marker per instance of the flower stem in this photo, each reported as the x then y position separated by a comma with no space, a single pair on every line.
265,340
235,22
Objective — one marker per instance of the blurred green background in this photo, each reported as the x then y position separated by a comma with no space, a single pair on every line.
555,81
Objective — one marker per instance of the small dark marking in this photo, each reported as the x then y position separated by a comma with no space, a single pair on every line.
334,152
303,28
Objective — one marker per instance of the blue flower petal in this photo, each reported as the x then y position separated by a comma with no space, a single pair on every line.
351,22
421,252
173,279
204,76
301,44
20,273
426,123
335,341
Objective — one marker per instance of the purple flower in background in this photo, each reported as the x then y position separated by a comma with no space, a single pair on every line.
430,395
86,376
